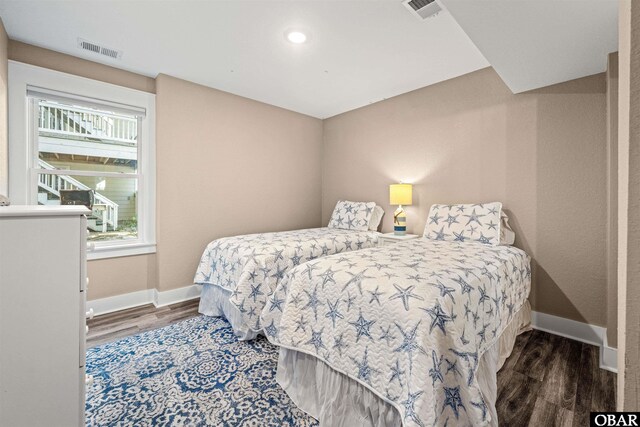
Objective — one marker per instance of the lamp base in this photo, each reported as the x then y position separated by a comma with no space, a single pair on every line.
399,222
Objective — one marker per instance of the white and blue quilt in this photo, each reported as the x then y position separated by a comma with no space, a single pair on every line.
251,266
410,321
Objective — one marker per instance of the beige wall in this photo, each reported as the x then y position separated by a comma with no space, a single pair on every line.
542,153
632,368
228,165
46,58
117,276
4,151
612,199
629,208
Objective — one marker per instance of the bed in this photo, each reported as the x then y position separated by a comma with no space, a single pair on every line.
411,334
239,274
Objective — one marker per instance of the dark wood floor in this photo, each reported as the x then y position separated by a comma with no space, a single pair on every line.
113,326
553,381
547,381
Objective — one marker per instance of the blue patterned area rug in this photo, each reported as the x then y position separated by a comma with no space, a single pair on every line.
192,373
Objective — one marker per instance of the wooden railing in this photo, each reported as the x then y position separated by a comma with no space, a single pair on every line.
77,121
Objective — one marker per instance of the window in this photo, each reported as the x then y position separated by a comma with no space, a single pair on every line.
90,150
85,139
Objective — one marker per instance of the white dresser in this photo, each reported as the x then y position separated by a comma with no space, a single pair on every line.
42,315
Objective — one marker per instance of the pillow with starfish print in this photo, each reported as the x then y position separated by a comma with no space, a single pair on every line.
352,215
478,223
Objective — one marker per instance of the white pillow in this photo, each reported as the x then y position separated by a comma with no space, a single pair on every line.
507,235
352,215
480,222
376,217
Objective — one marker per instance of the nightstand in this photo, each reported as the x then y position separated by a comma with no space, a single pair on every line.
391,238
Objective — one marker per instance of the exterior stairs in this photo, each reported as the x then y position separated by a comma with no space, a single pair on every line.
104,215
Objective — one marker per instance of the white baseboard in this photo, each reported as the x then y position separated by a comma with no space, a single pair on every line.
608,356
578,331
148,296
572,329
160,299
120,302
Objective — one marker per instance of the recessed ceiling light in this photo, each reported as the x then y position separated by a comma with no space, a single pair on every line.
296,37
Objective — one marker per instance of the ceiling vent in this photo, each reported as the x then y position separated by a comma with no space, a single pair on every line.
423,9
98,49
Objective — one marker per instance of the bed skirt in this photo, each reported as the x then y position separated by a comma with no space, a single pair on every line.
339,401
214,301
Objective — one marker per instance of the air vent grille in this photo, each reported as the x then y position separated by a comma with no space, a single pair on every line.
110,52
419,4
423,9
98,49
89,46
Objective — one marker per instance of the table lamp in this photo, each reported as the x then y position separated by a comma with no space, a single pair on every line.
400,194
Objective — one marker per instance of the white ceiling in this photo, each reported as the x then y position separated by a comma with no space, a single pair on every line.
360,51
536,43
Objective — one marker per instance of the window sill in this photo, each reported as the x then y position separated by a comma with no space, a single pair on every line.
117,251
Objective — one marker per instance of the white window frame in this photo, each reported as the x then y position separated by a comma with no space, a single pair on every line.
22,175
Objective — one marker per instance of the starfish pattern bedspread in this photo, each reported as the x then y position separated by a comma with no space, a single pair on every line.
250,266
410,321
